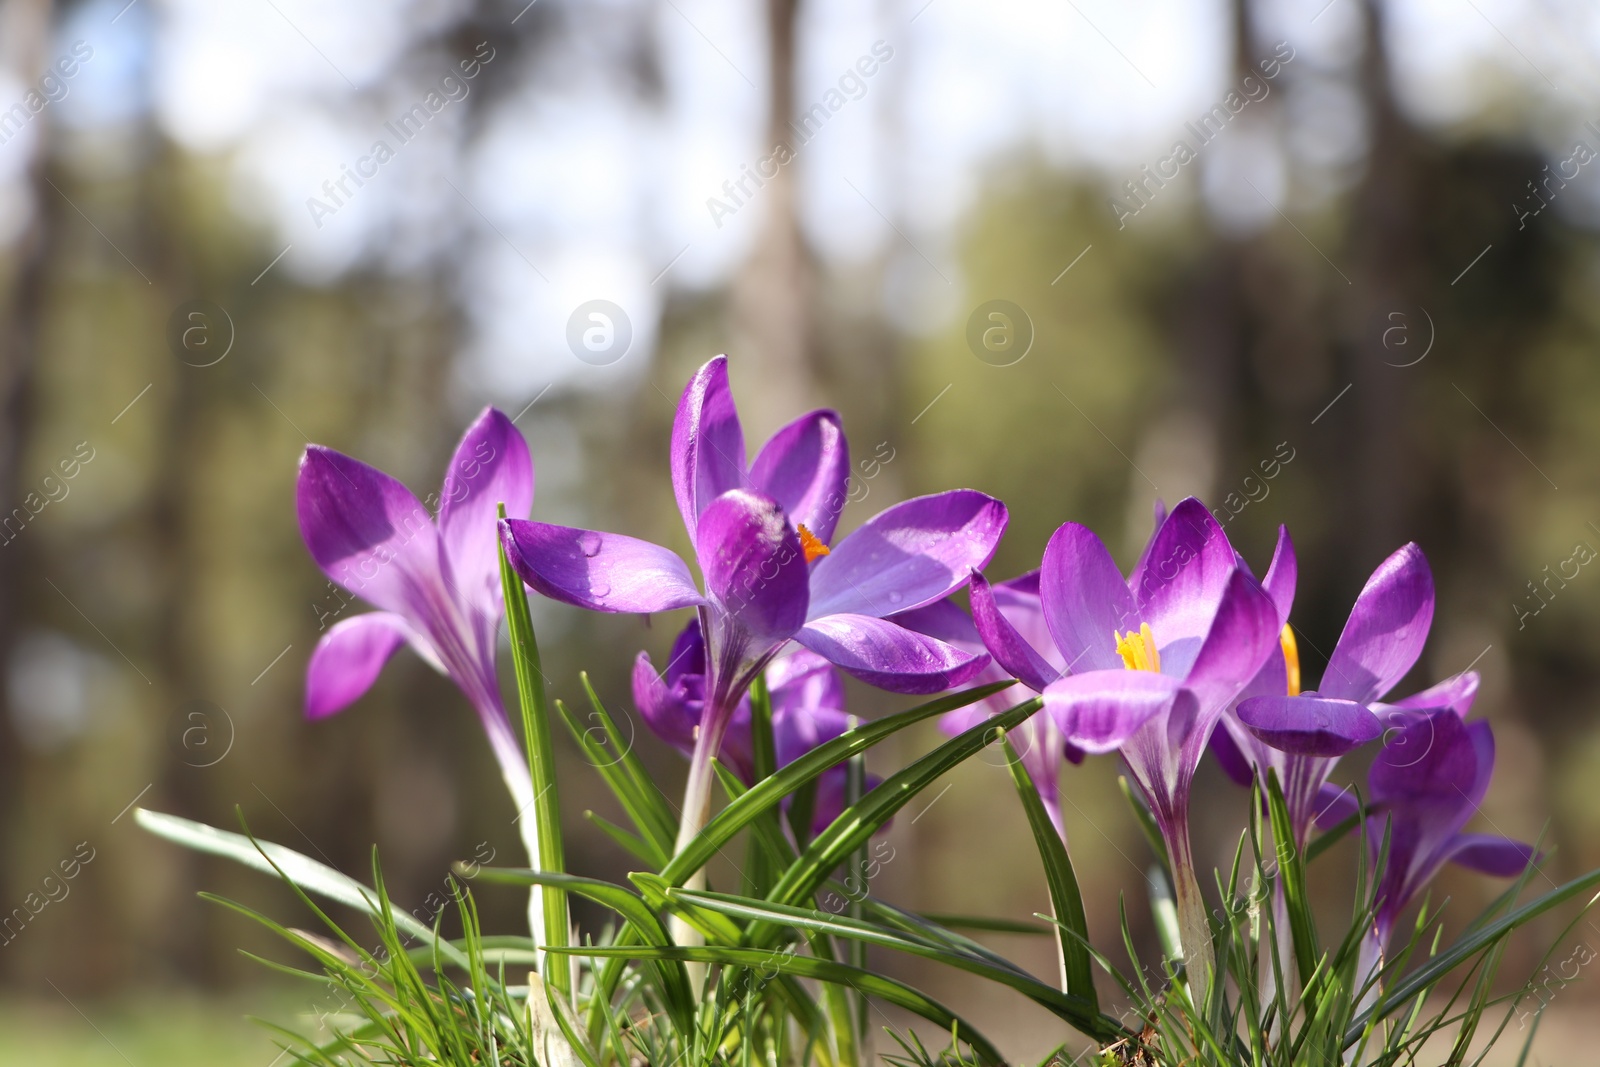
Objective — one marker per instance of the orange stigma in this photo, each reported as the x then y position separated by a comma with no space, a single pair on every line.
1291,659
811,545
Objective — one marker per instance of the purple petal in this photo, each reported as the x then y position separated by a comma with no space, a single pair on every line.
805,467
1455,693
367,532
803,681
1008,647
1310,725
1159,516
1097,711
669,710
348,660
490,466
1386,630
1491,855
1429,759
688,653
797,731
1242,637
945,620
1183,578
908,555
1335,804
753,564
1282,574
1085,600
1230,758
598,571
889,656
707,443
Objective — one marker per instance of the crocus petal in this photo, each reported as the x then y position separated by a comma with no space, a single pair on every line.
1282,574
1183,578
1099,710
1429,759
1335,804
908,555
1455,693
1230,758
1008,647
1242,636
664,707
1386,630
490,466
753,564
1491,854
598,571
348,660
707,442
367,532
803,681
805,467
889,656
1086,602
1310,725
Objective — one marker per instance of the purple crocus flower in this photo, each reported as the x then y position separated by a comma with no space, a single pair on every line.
1154,660
1426,783
760,533
1040,746
808,710
1301,735
436,583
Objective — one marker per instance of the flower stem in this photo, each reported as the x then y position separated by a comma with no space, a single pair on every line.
1194,927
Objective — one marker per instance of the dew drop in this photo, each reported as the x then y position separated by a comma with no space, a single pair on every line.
600,590
589,543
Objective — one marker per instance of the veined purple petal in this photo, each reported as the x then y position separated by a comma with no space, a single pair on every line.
1086,602
491,466
796,731
805,467
889,656
908,555
1004,642
1234,763
1386,630
753,564
1242,636
707,443
598,571
1430,759
1099,710
1282,574
367,532
802,682
349,658
1335,804
670,711
1309,724
1183,578
1490,854
1455,693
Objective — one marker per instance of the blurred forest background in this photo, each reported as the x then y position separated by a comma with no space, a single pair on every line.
1379,270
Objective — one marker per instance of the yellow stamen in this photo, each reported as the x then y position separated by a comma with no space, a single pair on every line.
1138,649
811,545
1291,659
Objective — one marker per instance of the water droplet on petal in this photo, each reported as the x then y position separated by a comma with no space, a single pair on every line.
600,590
895,597
589,543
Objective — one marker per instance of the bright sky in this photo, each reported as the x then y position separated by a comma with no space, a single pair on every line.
573,189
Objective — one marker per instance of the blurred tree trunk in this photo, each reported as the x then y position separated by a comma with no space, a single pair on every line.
1385,239
773,295
26,30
